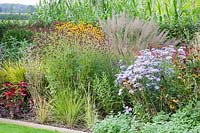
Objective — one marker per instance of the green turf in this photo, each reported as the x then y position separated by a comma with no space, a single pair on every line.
11,128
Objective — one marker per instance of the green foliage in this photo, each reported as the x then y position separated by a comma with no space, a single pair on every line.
37,86
13,72
69,65
171,15
71,70
14,39
6,25
62,10
114,124
19,33
68,106
12,49
105,94
184,120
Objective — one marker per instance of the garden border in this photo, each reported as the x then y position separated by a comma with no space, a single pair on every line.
39,126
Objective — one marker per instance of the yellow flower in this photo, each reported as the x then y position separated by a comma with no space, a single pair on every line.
82,32
171,107
175,100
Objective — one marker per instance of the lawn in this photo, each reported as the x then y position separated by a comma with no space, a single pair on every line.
11,128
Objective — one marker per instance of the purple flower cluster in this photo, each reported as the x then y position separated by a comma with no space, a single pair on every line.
150,65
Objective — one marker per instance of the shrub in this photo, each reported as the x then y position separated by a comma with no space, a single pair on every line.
75,65
14,39
6,25
13,49
184,120
113,124
20,34
15,98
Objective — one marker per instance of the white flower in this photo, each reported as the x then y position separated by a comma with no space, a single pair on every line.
158,79
128,110
168,57
120,92
156,87
131,91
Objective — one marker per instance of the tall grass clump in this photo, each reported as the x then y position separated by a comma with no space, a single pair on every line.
126,35
68,107
70,71
37,86
13,72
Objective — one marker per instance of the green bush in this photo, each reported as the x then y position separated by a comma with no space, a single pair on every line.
76,70
14,25
69,65
184,120
114,124
12,49
19,33
14,39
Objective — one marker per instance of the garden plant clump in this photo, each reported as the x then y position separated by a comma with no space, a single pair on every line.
104,66
150,66
15,100
148,78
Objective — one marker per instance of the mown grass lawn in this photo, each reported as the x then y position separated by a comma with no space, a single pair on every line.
11,128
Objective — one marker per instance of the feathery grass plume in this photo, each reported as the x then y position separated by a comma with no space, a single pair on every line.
37,88
125,34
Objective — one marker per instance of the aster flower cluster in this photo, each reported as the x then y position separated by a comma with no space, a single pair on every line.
149,68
